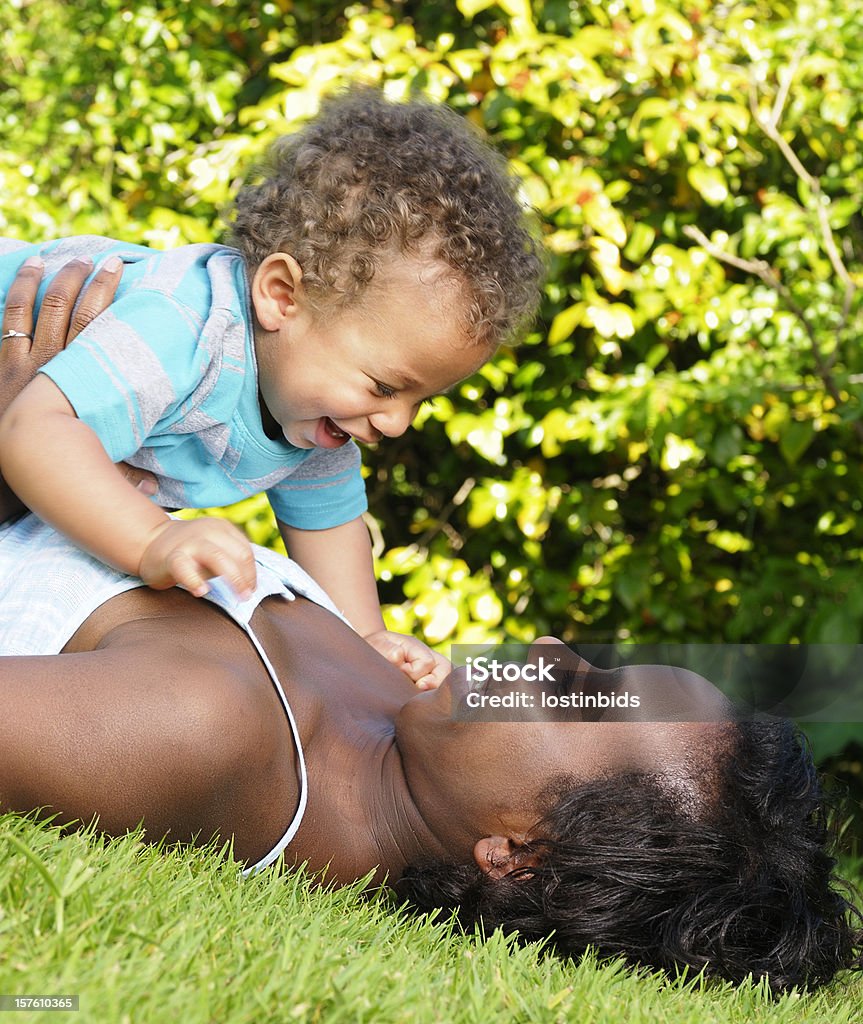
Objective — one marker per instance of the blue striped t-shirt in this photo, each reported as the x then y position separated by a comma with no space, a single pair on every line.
167,379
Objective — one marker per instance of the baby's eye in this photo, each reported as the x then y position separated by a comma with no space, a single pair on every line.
384,390
428,402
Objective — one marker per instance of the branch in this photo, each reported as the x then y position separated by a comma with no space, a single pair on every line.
850,290
372,525
442,524
442,520
770,127
785,84
762,270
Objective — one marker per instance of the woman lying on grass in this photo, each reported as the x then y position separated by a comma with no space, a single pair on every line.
699,841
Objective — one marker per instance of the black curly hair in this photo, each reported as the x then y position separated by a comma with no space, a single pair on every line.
368,180
746,889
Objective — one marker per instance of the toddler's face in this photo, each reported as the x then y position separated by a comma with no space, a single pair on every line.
366,373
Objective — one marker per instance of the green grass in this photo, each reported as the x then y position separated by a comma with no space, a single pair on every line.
179,936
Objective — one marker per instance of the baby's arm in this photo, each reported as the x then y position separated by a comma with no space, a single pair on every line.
340,559
59,469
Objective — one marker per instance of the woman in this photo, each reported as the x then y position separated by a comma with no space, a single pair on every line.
694,840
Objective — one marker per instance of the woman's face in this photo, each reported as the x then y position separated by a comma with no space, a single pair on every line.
497,771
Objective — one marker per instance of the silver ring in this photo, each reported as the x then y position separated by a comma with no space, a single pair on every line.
16,334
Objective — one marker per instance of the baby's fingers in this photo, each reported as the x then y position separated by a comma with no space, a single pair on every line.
415,668
435,674
432,680
235,562
422,660
396,655
186,571
426,662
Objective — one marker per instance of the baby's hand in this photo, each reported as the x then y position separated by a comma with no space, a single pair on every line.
423,666
189,552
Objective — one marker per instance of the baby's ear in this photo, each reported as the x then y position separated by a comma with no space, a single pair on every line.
276,288
497,856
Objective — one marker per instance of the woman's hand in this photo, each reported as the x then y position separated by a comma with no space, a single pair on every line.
26,347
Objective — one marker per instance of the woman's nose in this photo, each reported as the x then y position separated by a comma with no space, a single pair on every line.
555,653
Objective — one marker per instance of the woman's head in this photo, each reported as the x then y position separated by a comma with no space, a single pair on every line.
477,771
740,883
673,833
368,183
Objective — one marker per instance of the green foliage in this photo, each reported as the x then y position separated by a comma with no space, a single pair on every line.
673,453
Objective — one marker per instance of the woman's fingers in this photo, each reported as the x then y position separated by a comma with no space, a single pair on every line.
16,361
16,367
29,346
141,479
67,325
98,295
55,310
18,311
22,354
59,322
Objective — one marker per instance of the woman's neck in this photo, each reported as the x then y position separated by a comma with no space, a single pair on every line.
361,814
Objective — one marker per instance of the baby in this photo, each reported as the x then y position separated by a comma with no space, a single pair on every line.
382,258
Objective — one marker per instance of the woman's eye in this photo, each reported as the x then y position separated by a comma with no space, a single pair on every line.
384,390
428,402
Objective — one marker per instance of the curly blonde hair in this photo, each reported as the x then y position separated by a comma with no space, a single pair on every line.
368,180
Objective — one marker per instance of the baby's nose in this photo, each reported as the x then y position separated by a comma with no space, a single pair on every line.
393,422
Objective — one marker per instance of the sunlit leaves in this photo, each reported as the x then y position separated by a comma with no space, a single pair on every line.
709,182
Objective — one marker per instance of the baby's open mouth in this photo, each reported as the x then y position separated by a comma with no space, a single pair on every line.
333,430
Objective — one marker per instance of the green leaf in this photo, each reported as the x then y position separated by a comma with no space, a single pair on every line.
727,445
612,321
795,439
666,135
641,238
709,182
603,218
650,109
837,108
443,619
519,9
835,626
830,738
565,323
471,8
655,356
632,589
729,540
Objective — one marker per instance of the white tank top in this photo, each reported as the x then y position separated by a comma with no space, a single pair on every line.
48,588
